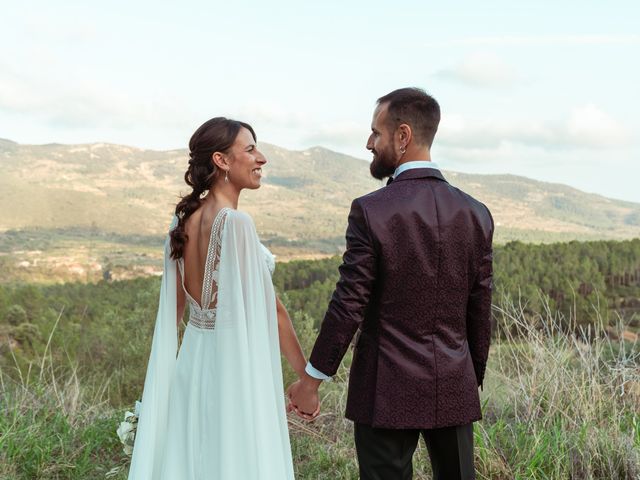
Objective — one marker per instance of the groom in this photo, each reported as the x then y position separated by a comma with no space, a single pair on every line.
416,284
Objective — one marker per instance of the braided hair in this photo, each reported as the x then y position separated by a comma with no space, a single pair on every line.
215,135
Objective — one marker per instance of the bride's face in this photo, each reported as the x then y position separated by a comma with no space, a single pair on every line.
245,161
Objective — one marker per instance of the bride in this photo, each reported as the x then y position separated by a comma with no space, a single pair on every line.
217,411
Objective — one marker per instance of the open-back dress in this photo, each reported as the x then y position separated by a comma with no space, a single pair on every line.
217,411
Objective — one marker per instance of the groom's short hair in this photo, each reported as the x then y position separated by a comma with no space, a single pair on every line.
417,109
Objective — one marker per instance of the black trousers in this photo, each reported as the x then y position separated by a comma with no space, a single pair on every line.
386,454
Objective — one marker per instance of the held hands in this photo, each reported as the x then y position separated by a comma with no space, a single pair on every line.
303,398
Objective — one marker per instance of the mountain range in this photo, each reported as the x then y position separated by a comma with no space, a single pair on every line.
301,208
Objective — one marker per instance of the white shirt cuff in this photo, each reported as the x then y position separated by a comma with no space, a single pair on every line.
312,372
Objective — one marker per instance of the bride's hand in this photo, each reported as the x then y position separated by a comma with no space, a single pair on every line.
304,400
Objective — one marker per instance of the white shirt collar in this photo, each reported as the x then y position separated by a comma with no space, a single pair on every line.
414,164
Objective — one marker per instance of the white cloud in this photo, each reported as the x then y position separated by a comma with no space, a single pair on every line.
301,128
588,170
591,126
272,113
39,28
585,127
76,103
339,135
481,70
540,40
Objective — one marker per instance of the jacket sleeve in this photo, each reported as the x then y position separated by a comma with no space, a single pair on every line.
479,309
351,296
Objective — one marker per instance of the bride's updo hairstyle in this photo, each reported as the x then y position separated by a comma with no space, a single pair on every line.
215,135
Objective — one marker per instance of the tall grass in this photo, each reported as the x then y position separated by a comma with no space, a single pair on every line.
559,402
55,426
562,401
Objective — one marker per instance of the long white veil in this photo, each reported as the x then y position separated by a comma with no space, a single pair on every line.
152,422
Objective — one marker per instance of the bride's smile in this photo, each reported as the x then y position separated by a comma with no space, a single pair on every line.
245,161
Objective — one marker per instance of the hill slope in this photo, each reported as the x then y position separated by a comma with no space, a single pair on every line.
303,203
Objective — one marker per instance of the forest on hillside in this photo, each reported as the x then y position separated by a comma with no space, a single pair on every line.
579,280
105,328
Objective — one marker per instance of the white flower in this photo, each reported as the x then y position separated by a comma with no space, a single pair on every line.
123,430
127,429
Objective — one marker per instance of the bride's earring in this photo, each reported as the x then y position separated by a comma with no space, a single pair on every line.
226,176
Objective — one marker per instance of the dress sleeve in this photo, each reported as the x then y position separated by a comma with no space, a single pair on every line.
269,258
247,353
243,272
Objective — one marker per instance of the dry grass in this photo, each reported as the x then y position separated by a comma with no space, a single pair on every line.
559,403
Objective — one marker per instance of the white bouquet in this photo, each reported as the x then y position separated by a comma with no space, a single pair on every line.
127,429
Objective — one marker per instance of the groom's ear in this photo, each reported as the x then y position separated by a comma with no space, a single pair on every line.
220,160
404,134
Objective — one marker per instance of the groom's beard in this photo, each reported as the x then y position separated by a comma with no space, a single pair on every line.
382,165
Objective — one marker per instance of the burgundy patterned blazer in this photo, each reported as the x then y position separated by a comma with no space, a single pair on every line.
416,281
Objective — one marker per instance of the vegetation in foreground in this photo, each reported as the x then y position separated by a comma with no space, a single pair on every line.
557,405
561,399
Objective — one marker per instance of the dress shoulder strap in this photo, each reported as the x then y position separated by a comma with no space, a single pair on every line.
213,254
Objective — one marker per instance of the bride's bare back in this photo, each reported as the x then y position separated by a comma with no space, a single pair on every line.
198,229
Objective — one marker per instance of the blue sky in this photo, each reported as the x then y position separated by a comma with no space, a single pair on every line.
544,89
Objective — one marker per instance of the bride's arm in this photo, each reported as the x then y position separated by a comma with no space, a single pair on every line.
289,344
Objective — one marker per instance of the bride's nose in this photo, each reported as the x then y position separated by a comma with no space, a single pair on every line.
261,159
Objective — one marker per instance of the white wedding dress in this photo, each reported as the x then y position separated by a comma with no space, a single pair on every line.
217,411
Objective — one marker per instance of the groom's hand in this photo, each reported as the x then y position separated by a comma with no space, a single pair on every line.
303,397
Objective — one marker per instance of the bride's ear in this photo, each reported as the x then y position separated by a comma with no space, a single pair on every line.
220,160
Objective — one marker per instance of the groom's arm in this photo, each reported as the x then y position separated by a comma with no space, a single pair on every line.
350,298
479,310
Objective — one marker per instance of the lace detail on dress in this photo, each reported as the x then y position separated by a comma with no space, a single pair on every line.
210,283
203,316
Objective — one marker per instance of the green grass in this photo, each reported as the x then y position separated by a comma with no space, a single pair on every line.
556,405
52,431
